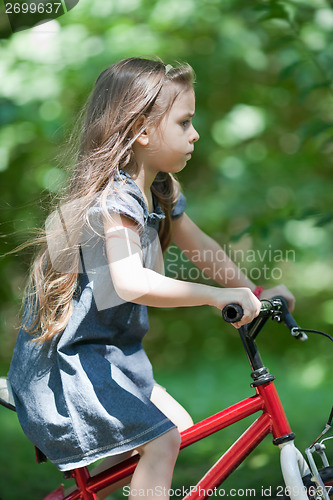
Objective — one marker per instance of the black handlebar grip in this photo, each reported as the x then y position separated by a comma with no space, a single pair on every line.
287,317
232,313
289,321
295,330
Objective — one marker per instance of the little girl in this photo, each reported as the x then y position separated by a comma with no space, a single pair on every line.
83,385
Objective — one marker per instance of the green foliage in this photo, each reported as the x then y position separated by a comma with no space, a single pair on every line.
260,177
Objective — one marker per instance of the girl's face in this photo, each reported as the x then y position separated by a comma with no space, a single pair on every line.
171,143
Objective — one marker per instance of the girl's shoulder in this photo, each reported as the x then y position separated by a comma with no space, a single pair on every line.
123,186
123,197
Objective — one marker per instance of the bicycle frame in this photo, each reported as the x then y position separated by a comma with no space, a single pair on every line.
271,421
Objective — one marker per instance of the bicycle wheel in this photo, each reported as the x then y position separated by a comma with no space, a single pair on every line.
327,476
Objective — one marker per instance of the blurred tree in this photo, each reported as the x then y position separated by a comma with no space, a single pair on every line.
261,174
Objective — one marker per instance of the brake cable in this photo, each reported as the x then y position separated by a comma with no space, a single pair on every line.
328,426
313,331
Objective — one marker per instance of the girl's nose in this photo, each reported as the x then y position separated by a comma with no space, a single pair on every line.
194,136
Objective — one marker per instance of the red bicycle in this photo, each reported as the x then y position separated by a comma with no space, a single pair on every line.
302,480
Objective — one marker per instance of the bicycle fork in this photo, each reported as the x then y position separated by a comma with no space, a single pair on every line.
273,420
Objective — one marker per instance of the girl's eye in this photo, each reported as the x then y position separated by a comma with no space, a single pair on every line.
185,123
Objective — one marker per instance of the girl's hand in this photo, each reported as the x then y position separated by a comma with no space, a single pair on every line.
280,290
242,296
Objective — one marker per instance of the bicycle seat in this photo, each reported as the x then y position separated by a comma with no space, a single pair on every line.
6,394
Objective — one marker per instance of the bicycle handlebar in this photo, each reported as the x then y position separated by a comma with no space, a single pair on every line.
277,308
232,313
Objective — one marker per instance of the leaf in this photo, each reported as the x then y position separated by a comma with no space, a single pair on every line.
314,129
236,237
272,11
321,85
9,111
290,69
324,219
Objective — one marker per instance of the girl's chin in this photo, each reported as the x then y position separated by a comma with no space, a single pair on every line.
174,169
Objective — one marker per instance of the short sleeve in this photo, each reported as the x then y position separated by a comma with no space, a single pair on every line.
125,199
179,206
129,203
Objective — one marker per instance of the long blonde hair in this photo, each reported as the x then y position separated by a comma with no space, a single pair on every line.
125,92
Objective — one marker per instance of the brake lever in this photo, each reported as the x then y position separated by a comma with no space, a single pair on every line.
290,322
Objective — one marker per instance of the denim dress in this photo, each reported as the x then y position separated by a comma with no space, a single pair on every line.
85,394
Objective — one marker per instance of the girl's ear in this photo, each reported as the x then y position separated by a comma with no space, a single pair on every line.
140,131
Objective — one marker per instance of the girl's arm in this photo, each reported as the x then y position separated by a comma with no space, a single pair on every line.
208,256
134,283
